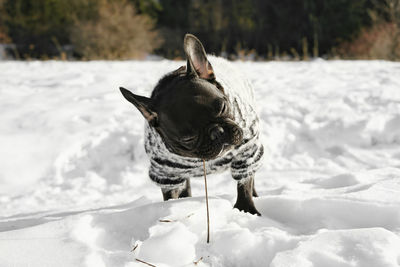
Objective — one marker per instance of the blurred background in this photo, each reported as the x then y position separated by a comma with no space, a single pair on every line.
236,29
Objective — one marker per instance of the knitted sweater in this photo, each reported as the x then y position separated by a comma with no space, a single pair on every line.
170,170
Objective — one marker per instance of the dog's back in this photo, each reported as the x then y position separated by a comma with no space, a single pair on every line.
232,79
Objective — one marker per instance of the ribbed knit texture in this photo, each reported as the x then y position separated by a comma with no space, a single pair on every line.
170,170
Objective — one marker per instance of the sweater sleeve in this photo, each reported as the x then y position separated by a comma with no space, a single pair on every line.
248,160
168,170
165,175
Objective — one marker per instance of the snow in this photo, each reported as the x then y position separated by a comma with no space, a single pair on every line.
74,189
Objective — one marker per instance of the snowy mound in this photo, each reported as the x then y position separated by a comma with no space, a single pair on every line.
74,189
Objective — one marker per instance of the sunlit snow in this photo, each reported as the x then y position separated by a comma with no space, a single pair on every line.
74,189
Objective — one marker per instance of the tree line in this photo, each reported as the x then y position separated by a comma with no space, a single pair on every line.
258,29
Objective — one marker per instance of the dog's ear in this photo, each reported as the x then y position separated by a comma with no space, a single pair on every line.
143,104
197,62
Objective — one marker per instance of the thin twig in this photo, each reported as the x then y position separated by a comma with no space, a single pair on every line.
145,263
167,221
196,262
135,247
208,212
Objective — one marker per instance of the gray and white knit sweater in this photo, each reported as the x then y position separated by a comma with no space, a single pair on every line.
170,170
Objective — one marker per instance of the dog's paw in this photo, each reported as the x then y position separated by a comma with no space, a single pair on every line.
249,208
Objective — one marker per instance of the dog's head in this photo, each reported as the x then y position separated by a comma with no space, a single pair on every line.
189,108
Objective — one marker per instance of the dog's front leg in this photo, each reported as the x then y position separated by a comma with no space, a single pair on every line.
184,191
245,193
254,190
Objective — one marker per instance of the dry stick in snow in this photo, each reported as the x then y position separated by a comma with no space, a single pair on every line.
208,213
167,221
135,248
196,262
146,263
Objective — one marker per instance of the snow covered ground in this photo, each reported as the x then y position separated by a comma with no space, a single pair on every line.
73,172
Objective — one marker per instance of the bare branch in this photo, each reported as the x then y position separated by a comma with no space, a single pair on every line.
149,264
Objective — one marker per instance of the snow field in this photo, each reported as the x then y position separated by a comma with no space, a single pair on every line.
73,174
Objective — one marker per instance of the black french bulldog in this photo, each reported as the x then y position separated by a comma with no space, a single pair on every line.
201,112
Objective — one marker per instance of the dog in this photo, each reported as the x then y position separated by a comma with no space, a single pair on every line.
202,111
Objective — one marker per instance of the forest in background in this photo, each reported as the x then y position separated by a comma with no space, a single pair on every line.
236,29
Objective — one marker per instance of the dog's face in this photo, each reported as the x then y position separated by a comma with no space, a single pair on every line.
189,109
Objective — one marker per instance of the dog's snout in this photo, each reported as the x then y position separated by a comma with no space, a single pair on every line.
216,132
